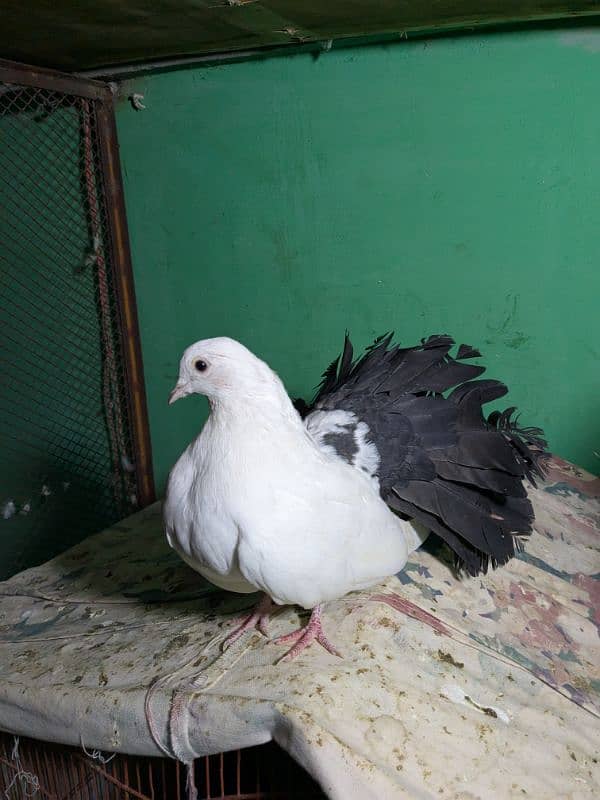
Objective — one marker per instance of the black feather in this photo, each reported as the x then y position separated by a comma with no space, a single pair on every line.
329,378
467,557
485,391
483,448
301,406
466,351
441,461
346,362
529,443
470,397
486,524
490,480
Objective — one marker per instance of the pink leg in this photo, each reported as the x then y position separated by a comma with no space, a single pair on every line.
304,636
257,619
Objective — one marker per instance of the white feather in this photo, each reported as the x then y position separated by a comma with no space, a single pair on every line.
367,457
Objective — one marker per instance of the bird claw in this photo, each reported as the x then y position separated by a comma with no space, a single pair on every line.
303,637
257,619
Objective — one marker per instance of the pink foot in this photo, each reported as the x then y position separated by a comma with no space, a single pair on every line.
257,619
304,636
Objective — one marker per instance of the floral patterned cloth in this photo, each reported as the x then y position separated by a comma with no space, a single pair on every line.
448,688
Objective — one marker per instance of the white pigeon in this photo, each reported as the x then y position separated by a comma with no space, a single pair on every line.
258,502
300,508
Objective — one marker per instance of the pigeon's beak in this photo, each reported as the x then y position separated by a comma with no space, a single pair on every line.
178,392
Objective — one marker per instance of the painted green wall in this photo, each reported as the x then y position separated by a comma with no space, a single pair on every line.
450,185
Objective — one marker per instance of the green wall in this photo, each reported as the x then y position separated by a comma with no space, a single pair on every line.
450,185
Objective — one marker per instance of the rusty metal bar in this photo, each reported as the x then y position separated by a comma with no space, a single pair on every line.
207,775
112,779
41,78
126,778
72,776
164,778
151,780
121,260
178,778
138,775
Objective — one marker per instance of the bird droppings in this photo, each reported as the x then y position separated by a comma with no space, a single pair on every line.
386,622
455,694
368,650
448,659
491,712
483,730
400,756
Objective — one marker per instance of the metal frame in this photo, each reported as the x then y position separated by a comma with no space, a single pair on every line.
41,78
26,75
130,335
262,772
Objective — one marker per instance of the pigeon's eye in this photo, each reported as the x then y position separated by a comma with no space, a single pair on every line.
201,366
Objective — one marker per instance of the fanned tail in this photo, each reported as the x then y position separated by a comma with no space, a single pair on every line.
440,461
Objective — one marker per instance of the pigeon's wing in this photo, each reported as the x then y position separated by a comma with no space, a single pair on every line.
412,418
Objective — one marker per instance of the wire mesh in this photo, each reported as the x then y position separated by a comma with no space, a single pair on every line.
67,465
54,772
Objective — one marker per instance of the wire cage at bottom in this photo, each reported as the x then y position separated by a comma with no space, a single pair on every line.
35,769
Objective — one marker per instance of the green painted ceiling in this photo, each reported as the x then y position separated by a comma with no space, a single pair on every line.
82,35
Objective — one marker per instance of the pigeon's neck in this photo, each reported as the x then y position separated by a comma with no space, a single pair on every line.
262,410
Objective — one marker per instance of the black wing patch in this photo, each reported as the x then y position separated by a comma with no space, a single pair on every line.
440,461
344,444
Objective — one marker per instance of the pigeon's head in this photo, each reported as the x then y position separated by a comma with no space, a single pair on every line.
222,368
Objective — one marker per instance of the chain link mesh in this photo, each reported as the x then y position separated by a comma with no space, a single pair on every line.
67,467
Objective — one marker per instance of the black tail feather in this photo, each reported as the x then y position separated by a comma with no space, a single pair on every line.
441,461
529,442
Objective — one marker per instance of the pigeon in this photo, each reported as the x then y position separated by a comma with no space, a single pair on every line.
307,502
